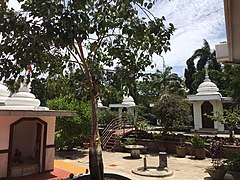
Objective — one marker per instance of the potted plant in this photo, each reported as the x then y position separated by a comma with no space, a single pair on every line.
198,144
181,148
233,163
218,170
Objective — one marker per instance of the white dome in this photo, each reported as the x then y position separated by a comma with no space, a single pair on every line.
207,87
4,92
128,100
23,98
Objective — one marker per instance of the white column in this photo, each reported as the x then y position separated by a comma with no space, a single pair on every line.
217,107
197,115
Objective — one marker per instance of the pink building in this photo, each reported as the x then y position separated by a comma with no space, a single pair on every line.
26,134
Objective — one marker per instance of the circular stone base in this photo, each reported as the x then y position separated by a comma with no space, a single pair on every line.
152,171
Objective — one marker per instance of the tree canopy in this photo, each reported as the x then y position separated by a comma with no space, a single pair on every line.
194,74
55,36
47,33
172,111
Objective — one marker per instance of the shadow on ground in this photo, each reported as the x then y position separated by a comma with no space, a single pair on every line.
130,158
73,154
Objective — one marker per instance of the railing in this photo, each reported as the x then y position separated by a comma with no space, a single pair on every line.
115,126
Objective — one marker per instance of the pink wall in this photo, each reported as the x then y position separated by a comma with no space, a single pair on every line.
24,132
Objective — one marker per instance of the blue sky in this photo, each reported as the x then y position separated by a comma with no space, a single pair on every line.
195,20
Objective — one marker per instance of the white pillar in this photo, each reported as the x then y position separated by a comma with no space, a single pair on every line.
218,107
197,115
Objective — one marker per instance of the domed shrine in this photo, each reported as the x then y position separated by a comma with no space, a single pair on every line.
127,105
207,101
26,134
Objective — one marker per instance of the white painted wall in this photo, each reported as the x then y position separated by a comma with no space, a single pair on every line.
197,114
218,107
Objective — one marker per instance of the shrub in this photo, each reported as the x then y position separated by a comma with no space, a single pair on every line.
172,111
233,160
106,116
197,141
71,129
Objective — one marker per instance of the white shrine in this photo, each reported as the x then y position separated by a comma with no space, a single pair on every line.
127,105
26,134
207,101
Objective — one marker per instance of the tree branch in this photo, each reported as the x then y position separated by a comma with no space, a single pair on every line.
146,11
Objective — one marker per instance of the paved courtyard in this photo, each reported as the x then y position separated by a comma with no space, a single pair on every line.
183,168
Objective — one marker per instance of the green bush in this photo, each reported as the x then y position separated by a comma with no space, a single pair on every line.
233,160
106,116
172,111
69,130
143,124
129,141
197,141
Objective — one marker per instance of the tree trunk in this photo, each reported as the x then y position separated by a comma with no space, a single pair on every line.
95,150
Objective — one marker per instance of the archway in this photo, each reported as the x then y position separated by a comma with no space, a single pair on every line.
27,147
207,108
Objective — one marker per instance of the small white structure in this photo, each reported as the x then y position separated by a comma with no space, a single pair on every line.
127,105
206,101
26,134
100,106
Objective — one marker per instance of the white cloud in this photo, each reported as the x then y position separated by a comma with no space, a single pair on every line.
195,20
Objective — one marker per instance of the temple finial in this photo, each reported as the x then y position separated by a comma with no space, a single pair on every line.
206,72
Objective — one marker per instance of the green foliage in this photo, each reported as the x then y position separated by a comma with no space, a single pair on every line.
194,75
154,84
233,160
110,32
129,118
81,36
172,111
229,118
197,141
129,141
232,82
38,88
188,74
71,129
106,116
143,124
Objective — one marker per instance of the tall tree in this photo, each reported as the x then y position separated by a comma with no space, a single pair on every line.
59,35
155,84
204,55
166,81
188,74
193,75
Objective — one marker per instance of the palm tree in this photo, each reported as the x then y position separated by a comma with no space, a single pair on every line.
166,81
205,54
194,74
188,74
